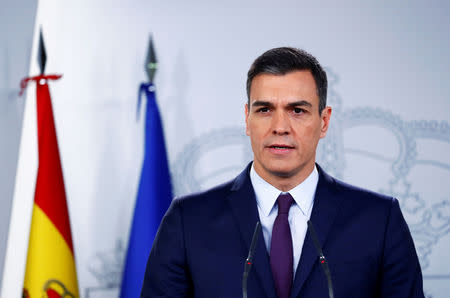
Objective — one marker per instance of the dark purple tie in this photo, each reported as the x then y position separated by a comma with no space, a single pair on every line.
281,255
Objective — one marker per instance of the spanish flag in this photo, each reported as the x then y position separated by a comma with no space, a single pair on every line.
50,269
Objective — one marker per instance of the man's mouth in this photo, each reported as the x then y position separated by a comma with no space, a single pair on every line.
277,146
280,148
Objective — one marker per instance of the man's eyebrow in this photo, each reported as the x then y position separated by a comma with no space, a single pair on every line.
260,103
300,103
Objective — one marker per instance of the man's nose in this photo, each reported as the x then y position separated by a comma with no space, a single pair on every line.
280,124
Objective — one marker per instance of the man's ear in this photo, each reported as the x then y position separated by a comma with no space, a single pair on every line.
247,111
325,121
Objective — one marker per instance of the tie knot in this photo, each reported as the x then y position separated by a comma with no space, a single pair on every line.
284,203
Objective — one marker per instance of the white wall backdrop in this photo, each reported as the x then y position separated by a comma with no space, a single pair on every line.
387,63
16,36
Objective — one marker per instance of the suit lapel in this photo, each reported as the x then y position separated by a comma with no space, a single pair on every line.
243,204
326,205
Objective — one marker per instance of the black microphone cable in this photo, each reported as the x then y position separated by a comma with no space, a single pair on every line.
323,261
249,261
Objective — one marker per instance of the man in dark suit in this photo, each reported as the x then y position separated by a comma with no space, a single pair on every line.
204,238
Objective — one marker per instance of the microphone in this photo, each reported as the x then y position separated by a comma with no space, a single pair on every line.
249,261
322,259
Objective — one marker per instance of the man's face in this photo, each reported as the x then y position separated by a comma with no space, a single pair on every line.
284,124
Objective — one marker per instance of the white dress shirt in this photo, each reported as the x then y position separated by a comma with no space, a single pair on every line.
299,214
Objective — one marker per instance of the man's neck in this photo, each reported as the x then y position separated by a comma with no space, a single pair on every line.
285,182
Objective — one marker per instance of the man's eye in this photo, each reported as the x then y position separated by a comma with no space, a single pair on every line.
298,110
263,110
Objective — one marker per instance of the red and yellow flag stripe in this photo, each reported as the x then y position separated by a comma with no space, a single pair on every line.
50,270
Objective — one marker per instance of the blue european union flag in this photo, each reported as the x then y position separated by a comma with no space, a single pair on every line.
153,199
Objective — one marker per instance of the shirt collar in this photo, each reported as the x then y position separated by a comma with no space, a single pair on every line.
267,194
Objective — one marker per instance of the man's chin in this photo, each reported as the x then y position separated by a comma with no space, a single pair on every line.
282,172
278,168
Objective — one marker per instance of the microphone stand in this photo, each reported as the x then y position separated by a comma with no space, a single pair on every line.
249,261
323,261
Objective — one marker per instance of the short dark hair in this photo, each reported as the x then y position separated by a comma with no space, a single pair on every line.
280,61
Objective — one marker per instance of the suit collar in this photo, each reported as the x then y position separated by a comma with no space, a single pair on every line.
326,206
243,204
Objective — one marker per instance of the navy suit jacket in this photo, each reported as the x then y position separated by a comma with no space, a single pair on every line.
204,238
